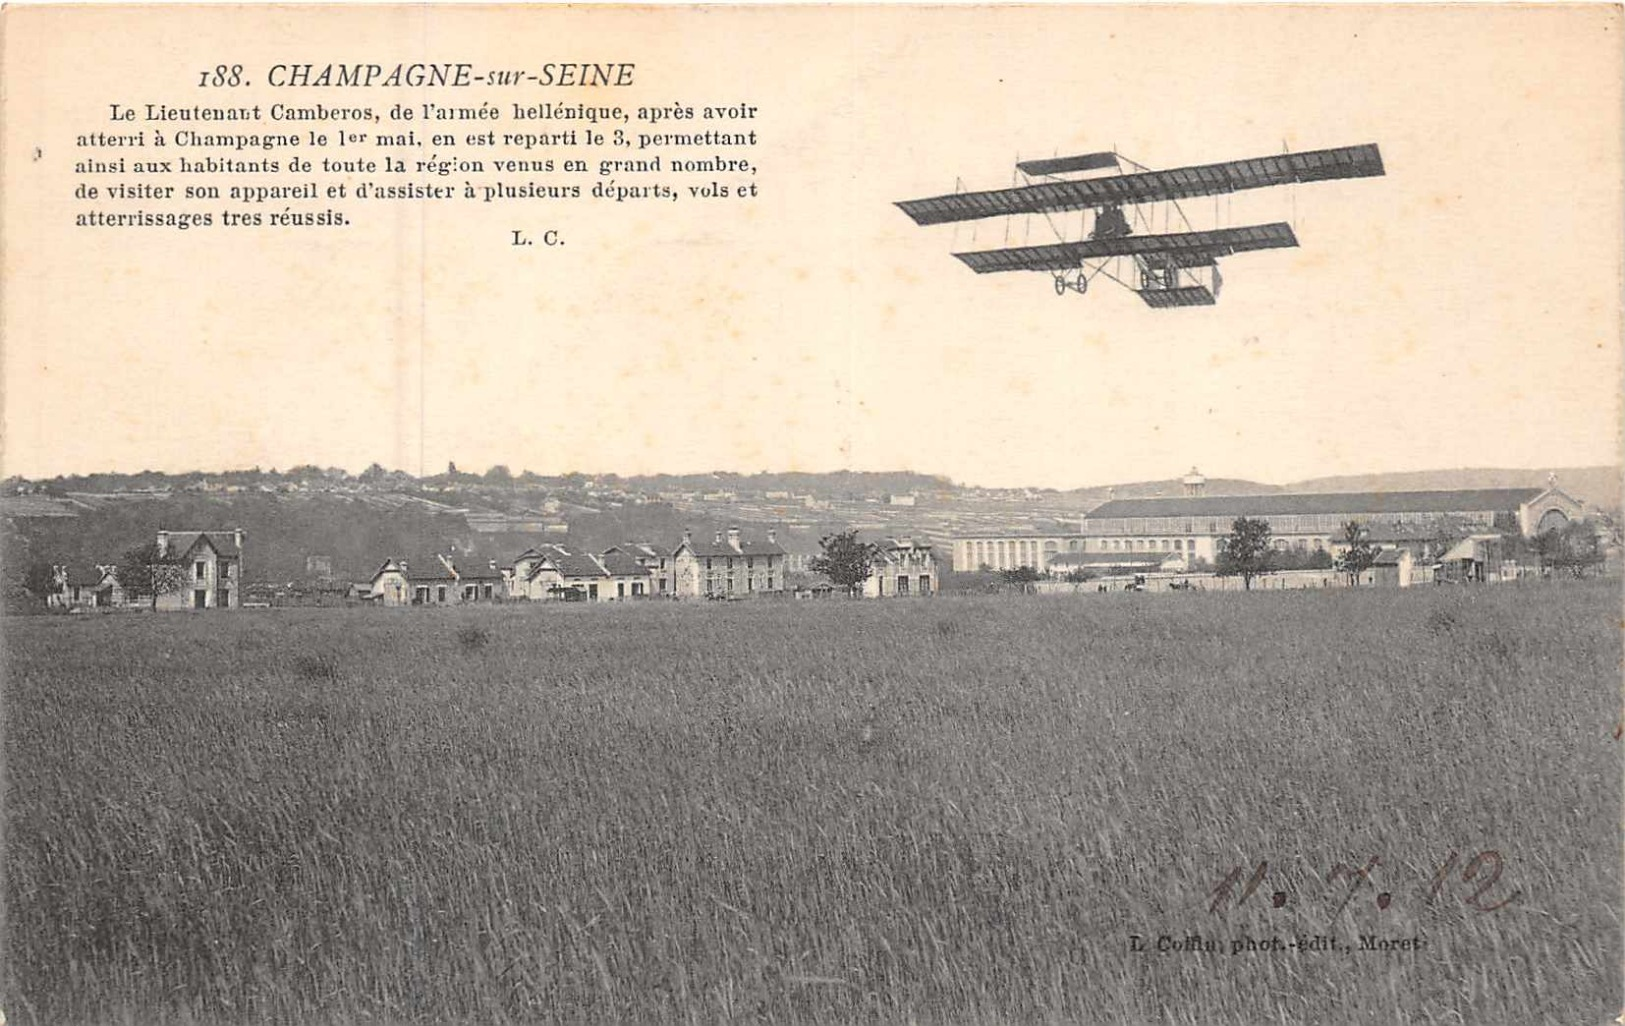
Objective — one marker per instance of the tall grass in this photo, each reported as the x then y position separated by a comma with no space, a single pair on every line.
949,811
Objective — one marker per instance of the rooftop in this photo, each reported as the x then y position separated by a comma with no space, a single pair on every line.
1473,500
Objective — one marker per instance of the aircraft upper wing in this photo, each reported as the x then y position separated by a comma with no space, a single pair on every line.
1188,249
1362,161
1066,165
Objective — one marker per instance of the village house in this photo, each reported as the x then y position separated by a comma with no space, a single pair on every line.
213,566
479,581
653,559
388,586
435,580
906,567
430,581
728,566
628,577
1391,568
84,586
554,573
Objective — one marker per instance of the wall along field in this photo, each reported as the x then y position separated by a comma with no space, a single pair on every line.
947,811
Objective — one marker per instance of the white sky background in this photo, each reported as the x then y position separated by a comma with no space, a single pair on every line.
1463,310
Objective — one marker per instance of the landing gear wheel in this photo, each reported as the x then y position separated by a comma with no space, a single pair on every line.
1060,285
1083,284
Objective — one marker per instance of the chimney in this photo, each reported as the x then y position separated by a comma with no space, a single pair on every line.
237,536
493,564
718,539
688,536
772,536
163,543
733,537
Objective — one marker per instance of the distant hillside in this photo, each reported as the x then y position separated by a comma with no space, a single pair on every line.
1599,486
282,532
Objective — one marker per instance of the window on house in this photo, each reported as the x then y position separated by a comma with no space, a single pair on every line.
440,593
197,570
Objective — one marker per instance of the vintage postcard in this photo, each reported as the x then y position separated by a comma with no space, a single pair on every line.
812,514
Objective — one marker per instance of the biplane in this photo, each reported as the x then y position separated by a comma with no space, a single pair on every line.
1120,211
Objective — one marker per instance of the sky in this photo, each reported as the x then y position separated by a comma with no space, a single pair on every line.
1462,310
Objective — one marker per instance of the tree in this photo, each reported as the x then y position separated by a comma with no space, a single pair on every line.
1245,551
1359,556
499,475
144,571
845,560
39,580
1022,577
1572,547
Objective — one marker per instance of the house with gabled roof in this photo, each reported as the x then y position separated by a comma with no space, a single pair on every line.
85,586
388,586
559,574
653,558
479,581
629,578
436,580
906,567
213,564
728,566
430,580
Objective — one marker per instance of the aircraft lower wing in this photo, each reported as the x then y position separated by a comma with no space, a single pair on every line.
1187,249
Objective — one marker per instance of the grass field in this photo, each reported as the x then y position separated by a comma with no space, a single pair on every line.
949,811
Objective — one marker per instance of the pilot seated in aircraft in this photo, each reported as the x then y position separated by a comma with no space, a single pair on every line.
1111,224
